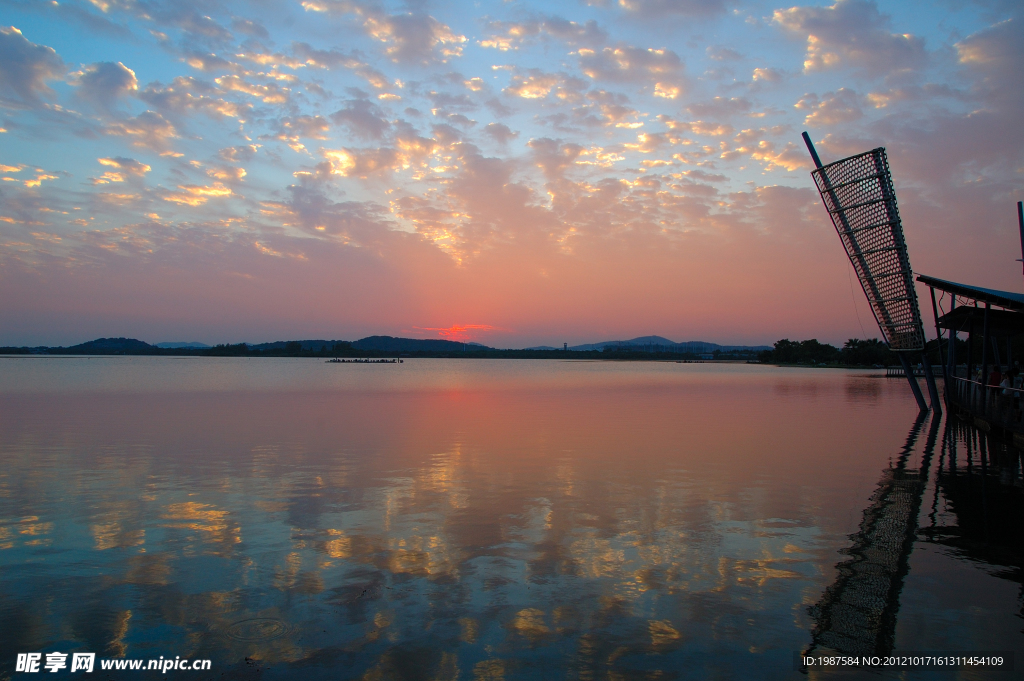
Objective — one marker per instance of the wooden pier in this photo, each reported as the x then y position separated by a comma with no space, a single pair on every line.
992,321
987,407
898,372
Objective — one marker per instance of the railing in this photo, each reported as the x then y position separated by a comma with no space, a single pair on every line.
988,403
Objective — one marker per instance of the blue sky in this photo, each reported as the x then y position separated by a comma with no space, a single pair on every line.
516,173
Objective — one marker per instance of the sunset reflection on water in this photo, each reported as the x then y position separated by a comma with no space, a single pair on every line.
499,520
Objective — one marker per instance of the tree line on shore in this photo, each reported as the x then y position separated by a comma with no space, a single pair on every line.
855,352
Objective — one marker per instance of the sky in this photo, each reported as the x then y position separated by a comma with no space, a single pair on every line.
512,173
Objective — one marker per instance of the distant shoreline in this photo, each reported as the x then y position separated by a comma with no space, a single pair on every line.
580,356
590,355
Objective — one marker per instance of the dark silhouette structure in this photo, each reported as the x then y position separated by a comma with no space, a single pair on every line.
857,614
860,199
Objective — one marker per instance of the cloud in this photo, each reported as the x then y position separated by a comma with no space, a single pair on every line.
226,173
852,34
148,130
500,133
239,154
662,9
269,94
306,55
415,37
624,64
410,38
447,101
196,195
123,169
721,107
507,36
186,94
929,92
964,163
80,17
495,106
554,157
349,162
310,127
754,143
995,55
614,108
24,69
721,53
535,85
363,118
842,106
104,83
711,129
767,75
210,62
190,16
249,28
592,190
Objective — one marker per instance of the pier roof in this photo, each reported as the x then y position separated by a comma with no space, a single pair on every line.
967,317
1005,299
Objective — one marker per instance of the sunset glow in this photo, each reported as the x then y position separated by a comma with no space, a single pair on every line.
461,332
514,173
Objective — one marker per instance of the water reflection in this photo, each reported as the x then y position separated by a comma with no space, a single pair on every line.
857,614
982,508
675,521
980,484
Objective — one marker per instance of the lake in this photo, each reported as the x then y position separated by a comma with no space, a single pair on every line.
496,519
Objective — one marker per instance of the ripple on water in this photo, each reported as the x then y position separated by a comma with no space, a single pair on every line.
257,629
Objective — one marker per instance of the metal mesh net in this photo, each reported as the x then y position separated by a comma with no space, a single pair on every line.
858,194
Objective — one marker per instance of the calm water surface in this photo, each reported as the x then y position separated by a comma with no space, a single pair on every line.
476,519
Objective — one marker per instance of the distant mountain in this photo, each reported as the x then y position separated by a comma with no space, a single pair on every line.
642,340
380,344
110,346
661,344
391,344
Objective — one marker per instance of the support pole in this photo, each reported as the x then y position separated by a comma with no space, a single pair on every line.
1020,213
970,347
909,371
929,379
951,370
817,164
938,338
984,359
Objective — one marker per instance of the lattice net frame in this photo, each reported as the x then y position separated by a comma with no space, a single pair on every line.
859,196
